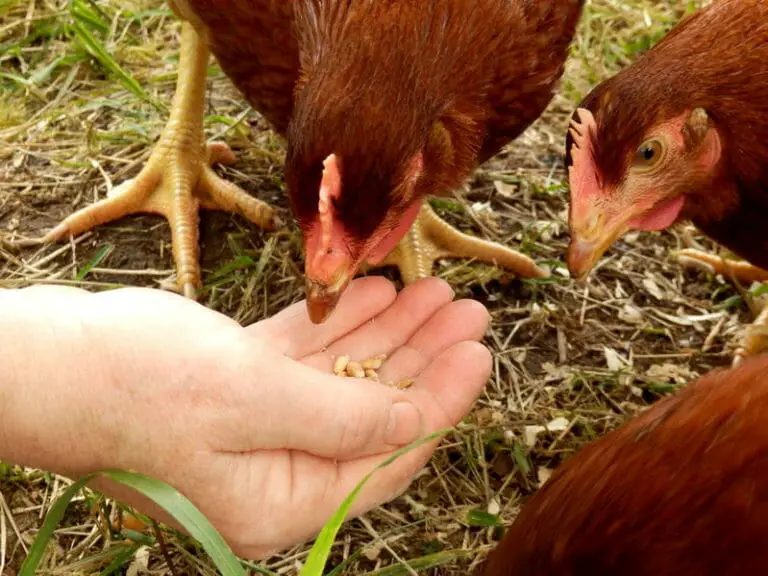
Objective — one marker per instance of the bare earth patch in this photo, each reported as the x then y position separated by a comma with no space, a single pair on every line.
571,361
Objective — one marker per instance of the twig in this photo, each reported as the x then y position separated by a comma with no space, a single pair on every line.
164,548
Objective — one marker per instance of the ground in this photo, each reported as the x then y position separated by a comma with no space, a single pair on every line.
581,358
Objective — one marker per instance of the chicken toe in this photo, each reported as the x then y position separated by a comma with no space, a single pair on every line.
178,179
754,338
739,270
431,238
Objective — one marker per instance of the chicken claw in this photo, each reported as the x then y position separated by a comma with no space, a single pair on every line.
740,270
178,180
754,339
431,238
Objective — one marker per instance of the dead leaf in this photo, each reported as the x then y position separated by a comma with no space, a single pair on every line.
679,374
558,424
653,289
531,433
630,314
543,474
614,360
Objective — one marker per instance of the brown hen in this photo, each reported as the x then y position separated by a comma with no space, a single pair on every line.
681,490
382,103
681,134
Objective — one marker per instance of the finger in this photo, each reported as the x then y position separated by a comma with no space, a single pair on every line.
465,320
292,333
315,412
445,394
415,304
339,418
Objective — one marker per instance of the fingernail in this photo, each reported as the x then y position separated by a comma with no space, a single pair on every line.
404,424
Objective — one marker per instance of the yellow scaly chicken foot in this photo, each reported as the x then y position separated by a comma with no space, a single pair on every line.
740,270
177,179
431,238
754,339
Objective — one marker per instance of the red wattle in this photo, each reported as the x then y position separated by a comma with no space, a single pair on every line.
388,243
660,217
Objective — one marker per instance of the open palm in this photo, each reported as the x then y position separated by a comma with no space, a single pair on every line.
263,437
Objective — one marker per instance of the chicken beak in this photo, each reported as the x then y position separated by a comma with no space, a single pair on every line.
322,298
589,241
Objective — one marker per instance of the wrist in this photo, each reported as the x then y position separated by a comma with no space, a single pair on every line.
49,382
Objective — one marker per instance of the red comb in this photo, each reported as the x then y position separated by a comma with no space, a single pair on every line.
330,188
582,174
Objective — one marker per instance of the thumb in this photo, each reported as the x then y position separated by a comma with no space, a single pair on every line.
321,414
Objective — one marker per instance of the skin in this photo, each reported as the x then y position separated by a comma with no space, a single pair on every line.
150,381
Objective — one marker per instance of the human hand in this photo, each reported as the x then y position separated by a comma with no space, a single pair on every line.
250,423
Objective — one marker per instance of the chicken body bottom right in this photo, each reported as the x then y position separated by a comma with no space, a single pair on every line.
681,489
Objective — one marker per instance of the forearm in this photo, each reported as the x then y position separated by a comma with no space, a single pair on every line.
49,371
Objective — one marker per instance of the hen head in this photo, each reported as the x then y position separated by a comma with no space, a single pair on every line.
353,205
634,163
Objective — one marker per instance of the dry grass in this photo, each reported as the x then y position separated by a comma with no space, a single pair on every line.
579,358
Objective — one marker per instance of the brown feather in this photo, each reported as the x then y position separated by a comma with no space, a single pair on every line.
377,81
680,490
255,45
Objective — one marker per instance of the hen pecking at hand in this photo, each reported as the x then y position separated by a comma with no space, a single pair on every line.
681,489
682,134
382,103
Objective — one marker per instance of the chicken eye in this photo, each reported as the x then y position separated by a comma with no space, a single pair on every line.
648,155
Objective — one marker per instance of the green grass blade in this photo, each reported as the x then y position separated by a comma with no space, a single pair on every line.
318,556
47,71
20,80
161,494
193,521
483,519
86,18
95,261
120,560
85,14
52,519
266,254
342,567
241,262
7,4
422,564
88,43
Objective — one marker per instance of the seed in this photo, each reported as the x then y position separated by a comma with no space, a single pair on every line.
340,366
371,374
402,384
375,362
405,384
355,370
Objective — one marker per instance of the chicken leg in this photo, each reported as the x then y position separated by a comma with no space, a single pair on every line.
739,270
754,339
178,180
431,238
